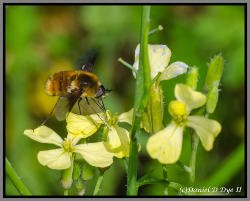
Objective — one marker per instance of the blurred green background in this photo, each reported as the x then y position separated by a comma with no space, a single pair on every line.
41,40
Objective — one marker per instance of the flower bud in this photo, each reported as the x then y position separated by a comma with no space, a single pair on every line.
192,77
81,186
212,99
214,72
155,108
88,171
176,108
79,183
66,177
76,171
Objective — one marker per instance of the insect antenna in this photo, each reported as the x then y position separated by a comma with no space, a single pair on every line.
98,104
79,105
101,106
96,112
86,112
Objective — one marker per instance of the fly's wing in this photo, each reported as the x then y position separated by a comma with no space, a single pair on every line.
87,60
65,103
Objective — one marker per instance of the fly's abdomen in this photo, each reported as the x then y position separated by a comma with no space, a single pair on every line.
60,82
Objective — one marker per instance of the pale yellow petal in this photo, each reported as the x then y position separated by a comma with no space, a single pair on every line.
206,129
44,134
158,55
173,70
136,64
119,139
78,124
166,145
192,99
75,138
56,159
96,154
126,117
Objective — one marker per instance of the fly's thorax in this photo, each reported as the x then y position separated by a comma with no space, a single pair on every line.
88,82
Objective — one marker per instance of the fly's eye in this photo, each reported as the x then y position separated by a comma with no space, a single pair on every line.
100,93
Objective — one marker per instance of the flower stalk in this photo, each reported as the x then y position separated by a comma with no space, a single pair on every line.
98,183
143,82
127,64
194,145
66,192
191,81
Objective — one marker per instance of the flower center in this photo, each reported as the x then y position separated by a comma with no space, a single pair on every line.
68,145
114,119
178,111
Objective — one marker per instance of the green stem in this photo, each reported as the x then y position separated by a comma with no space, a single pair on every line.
66,192
177,187
146,68
141,98
155,78
127,64
165,177
145,176
184,167
132,169
15,179
98,183
194,145
125,164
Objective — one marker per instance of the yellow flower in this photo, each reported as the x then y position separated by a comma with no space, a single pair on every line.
159,57
166,145
96,154
117,137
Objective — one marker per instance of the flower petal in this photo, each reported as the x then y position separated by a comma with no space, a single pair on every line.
75,138
126,117
192,99
207,129
158,55
96,154
78,124
44,134
56,159
119,139
166,145
173,70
